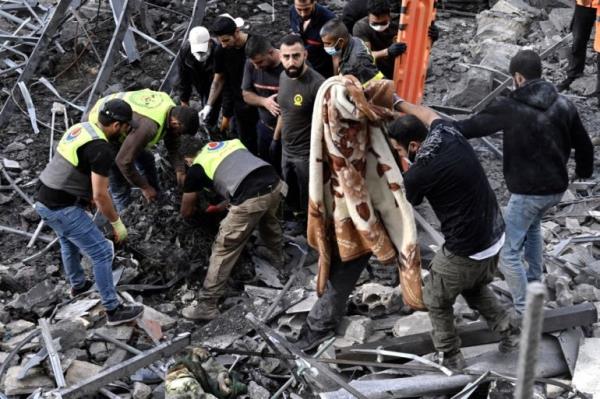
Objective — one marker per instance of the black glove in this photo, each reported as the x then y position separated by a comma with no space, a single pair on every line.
434,32
396,49
274,149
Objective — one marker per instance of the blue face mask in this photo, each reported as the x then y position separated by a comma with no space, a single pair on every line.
332,51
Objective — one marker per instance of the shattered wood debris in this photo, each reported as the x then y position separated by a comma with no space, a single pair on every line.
63,54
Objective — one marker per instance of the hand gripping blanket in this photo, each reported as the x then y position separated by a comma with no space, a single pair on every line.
357,204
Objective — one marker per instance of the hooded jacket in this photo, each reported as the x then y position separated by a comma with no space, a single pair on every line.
195,73
540,128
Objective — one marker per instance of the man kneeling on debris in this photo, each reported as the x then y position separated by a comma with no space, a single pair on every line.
75,178
446,171
254,192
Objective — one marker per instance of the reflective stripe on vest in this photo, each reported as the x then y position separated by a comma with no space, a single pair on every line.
77,136
378,76
214,153
154,105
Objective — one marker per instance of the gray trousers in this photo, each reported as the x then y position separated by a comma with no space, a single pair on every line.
326,314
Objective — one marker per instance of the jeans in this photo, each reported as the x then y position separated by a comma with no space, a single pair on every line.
78,233
120,188
524,240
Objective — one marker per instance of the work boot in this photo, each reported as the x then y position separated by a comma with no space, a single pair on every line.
205,310
276,260
510,340
565,84
453,361
123,314
309,339
87,285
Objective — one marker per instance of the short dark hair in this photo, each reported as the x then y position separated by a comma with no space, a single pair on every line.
334,28
190,147
379,7
528,63
291,39
188,117
224,26
257,45
407,128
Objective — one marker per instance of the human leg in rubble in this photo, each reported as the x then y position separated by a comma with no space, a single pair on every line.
446,171
327,312
254,191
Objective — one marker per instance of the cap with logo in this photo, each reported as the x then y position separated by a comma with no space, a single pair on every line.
199,38
118,110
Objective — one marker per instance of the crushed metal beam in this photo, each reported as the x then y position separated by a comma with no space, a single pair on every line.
477,333
91,385
52,353
128,40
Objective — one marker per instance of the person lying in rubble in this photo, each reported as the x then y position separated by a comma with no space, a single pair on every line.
157,118
446,171
254,192
540,127
76,177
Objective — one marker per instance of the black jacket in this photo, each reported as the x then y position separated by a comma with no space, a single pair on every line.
540,129
193,73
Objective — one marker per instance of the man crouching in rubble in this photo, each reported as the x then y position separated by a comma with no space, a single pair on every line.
446,171
254,192
76,177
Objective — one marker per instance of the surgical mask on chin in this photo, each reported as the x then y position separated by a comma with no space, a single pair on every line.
201,57
379,28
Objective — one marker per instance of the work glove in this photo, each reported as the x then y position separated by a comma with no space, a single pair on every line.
434,32
204,113
220,207
274,149
396,49
119,229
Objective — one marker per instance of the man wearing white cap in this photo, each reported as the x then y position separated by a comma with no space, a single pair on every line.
196,69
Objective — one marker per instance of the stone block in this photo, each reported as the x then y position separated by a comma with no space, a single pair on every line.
585,376
584,86
290,325
20,326
100,350
495,54
35,378
502,27
117,356
80,371
71,332
122,332
516,7
561,19
166,322
415,323
470,89
355,328
141,391
38,298
376,300
256,391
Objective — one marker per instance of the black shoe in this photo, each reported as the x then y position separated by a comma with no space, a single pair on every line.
565,84
84,288
510,340
309,339
123,314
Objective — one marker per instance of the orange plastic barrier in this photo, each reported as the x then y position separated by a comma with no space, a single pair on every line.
411,67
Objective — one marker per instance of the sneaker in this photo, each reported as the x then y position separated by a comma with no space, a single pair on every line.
87,285
454,361
123,314
565,84
205,310
510,341
309,339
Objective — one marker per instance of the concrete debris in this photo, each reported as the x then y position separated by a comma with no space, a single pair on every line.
35,378
473,87
255,391
375,300
585,378
39,298
80,371
141,391
415,323
355,328
561,19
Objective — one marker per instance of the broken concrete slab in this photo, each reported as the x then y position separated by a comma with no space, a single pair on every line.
122,332
376,300
39,298
502,27
117,356
290,325
561,19
585,377
305,305
71,332
80,371
416,323
76,309
35,378
473,87
166,322
495,54
19,326
256,391
266,273
355,328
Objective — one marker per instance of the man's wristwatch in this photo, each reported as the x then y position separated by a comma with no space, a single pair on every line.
396,101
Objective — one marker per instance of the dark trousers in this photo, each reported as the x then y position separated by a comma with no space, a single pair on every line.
295,173
326,314
581,26
450,276
246,118
120,188
264,138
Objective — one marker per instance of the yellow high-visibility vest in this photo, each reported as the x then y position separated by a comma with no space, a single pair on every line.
77,136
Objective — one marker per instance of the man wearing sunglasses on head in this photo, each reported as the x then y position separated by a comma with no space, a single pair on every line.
76,177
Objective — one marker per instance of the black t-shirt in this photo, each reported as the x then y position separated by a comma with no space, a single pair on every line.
378,41
230,62
265,83
447,172
296,99
96,156
256,182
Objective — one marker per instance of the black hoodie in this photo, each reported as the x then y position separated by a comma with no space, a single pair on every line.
540,129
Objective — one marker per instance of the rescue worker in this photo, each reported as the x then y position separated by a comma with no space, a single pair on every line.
446,171
156,118
196,69
350,54
254,192
584,17
76,177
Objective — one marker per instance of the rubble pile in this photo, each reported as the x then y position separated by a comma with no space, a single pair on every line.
48,341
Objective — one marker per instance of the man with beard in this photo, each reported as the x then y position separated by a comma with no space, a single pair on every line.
298,87
196,69
76,177
306,19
